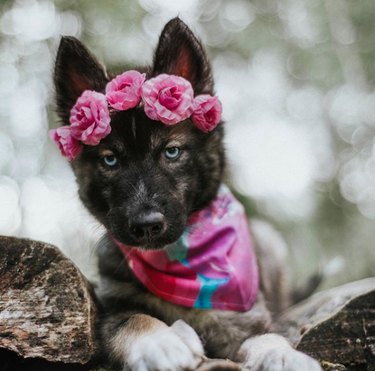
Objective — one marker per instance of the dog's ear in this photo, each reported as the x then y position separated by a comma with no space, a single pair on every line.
76,70
180,53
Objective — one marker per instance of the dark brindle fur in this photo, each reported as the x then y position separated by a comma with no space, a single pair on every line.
145,181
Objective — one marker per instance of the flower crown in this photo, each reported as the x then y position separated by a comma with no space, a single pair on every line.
166,98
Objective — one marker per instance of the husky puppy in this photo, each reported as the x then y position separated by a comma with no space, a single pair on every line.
143,179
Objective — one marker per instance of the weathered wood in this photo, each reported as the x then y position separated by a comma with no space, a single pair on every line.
46,306
218,365
336,326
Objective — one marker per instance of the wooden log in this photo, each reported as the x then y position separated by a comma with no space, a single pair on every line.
336,326
218,365
46,306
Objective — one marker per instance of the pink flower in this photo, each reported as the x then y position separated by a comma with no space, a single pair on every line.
207,112
168,98
68,146
124,91
89,118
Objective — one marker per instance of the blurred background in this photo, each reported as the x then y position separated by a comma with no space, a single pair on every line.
296,78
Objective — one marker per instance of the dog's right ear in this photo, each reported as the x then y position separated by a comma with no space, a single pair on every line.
76,70
180,53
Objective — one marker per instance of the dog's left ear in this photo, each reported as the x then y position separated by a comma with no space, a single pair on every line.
180,53
76,70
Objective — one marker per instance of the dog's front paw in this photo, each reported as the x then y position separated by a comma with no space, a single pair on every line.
272,352
173,348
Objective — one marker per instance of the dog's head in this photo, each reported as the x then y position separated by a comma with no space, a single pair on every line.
144,179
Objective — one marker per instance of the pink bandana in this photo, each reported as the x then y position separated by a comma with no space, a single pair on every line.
211,266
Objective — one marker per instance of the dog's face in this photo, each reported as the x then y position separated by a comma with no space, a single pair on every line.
144,179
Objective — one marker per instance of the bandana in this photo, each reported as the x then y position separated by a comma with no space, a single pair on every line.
211,266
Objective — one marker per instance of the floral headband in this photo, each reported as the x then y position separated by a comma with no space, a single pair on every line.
166,98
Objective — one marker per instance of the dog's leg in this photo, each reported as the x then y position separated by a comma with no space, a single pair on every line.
141,342
271,352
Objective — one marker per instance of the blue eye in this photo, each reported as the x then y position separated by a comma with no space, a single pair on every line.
172,153
110,160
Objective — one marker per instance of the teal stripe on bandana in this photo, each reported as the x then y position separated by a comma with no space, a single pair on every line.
208,288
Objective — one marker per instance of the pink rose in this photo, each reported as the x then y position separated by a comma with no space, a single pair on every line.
89,118
207,112
168,98
68,146
124,91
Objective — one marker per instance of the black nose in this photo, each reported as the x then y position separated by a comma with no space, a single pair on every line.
147,225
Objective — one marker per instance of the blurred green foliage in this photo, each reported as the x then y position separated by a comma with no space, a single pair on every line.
324,45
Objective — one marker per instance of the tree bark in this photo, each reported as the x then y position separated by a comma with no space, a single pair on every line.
336,326
46,305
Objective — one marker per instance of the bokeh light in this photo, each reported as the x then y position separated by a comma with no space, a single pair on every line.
296,79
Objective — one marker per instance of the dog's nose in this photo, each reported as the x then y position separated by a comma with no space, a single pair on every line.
147,225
